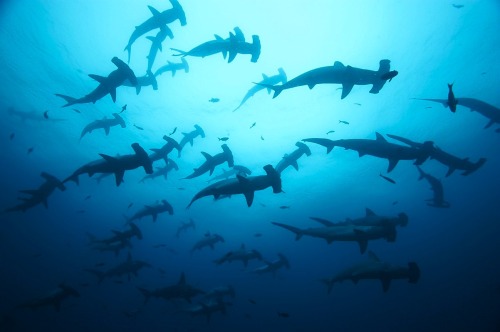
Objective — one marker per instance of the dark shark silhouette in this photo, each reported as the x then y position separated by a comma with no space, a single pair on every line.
54,298
129,267
489,111
437,188
142,81
180,290
379,148
291,159
152,210
452,162
243,185
337,74
218,293
242,254
115,247
184,227
374,268
162,171
206,308
273,266
157,21
40,195
189,137
117,165
107,85
105,124
369,219
236,169
156,44
266,80
209,240
162,153
173,67
119,236
213,161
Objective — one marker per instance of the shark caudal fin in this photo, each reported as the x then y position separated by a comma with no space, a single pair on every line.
413,273
384,68
327,143
298,232
69,100
475,166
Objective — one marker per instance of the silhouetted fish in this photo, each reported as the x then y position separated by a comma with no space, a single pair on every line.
173,131
452,101
357,104
130,205
87,198
223,139
344,122
140,128
261,137
11,137
331,131
46,114
214,100
284,207
77,111
253,125
257,235
387,178
124,107
252,301
457,6
30,150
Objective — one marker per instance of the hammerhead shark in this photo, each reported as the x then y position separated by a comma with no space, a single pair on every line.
156,44
189,137
344,232
39,195
162,171
180,290
162,153
173,67
489,111
152,210
266,80
117,165
54,298
114,247
184,227
209,240
120,236
379,148
437,188
242,254
206,308
273,266
158,20
452,162
213,161
237,169
291,159
129,267
218,293
374,268
337,74
369,219
243,185
107,85
105,124
142,81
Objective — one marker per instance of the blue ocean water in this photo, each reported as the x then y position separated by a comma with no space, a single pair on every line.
50,47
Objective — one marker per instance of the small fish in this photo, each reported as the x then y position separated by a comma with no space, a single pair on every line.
252,301
483,73
77,111
173,131
429,107
257,235
331,131
181,188
11,137
100,264
457,6
253,125
344,122
46,114
124,107
87,198
452,101
389,75
214,100
395,202
357,104
223,139
30,150
129,205
387,178
261,137
284,207
140,128
283,314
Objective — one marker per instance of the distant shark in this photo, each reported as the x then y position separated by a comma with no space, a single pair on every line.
120,236
117,165
142,81
379,148
208,241
452,162
189,137
236,169
213,161
243,185
206,308
158,20
242,254
180,290
374,268
369,219
273,266
114,247
156,44
107,85
162,171
54,298
437,188
40,195
128,268
266,80
490,112
185,226
337,74
291,159
152,210
218,293
173,67
162,153
105,124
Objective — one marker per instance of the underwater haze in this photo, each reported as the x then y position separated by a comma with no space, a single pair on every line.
254,165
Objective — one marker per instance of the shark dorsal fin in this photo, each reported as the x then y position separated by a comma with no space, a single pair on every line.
218,38
207,156
372,256
265,77
370,213
338,65
380,137
108,158
98,78
153,11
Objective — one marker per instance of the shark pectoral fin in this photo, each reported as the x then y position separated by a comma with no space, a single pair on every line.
160,48
212,170
386,283
113,94
295,165
346,89
119,176
98,78
363,244
489,124
249,197
108,158
106,130
450,171
310,86
268,90
392,164
153,11
151,38
232,55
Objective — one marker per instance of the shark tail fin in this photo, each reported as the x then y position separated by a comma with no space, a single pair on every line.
413,273
180,52
69,100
